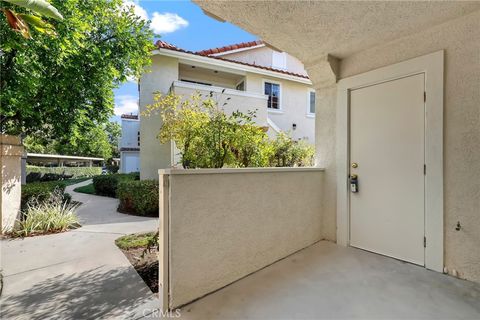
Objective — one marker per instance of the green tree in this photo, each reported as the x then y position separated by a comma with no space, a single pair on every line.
206,136
63,86
114,132
98,141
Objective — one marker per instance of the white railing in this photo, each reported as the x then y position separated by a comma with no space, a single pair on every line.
243,101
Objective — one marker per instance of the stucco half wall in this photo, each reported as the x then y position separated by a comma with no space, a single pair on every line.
224,224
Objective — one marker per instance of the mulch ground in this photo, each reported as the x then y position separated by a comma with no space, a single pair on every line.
146,266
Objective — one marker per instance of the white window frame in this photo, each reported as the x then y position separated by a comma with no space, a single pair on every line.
310,114
432,65
280,98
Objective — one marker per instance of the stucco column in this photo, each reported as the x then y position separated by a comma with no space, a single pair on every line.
323,73
11,152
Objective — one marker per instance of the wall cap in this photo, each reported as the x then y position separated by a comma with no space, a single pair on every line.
238,170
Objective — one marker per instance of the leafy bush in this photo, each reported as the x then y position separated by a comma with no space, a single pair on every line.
106,185
290,153
136,240
40,191
138,197
46,215
209,138
35,173
113,168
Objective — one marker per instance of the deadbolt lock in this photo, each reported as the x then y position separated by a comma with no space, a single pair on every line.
354,165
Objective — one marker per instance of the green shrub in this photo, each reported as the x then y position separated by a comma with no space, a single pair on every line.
138,197
106,185
290,153
50,215
136,240
35,173
40,191
207,137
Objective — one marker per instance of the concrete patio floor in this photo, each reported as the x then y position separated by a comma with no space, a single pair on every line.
79,274
326,281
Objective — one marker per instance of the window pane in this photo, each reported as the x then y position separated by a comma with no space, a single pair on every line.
312,102
272,90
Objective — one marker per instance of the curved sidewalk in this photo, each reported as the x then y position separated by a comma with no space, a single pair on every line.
79,274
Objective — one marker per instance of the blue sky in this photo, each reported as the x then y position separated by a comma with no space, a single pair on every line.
183,24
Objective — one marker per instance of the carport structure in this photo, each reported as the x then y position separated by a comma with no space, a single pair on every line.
398,171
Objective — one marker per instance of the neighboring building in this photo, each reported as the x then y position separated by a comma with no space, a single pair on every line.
251,74
129,144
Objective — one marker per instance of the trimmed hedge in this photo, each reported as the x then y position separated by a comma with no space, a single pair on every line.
41,191
138,197
35,173
106,185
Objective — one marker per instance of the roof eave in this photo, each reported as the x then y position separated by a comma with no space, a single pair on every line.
206,60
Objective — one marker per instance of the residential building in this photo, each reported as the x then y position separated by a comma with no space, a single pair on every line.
252,75
129,144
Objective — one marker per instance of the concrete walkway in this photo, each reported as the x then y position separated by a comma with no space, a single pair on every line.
326,281
79,274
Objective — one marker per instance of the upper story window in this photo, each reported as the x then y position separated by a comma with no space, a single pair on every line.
311,102
272,90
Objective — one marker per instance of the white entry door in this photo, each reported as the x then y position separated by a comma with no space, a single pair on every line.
387,139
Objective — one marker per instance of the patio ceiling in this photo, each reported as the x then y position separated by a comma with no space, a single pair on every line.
311,30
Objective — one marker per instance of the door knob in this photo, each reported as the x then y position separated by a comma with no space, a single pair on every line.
354,165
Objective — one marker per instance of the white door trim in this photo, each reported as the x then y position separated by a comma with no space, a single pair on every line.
432,66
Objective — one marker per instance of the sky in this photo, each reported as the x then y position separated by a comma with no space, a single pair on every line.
183,24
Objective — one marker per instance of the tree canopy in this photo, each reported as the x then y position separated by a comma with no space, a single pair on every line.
98,141
62,86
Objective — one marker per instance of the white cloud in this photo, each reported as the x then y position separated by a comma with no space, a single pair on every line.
167,22
160,22
139,10
126,104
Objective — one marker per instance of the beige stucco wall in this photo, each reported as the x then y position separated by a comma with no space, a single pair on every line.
261,56
11,152
153,155
293,101
224,226
460,38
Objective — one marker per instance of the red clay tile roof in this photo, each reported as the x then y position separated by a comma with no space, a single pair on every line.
129,116
230,47
165,45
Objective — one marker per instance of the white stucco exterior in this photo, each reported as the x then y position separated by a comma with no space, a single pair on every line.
11,152
219,225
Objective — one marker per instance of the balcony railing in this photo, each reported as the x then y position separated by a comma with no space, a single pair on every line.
242,101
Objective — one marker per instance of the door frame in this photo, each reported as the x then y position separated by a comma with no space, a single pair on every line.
432,66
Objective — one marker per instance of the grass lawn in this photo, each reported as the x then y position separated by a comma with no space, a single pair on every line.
85,189
69,182
137,240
